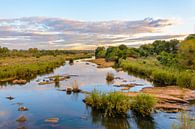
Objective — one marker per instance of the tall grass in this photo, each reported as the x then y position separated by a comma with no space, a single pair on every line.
111,105
143,104
116,104
27,68
160,74
185,122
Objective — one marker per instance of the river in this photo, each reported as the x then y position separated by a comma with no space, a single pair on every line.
47,101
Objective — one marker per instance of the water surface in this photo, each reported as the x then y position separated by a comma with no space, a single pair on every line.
46,101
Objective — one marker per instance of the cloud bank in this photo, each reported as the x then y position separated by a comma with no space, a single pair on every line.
59,33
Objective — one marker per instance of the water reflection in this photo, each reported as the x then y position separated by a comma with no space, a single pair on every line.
109,123
144,122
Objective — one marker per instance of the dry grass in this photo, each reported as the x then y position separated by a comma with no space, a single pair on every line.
102,63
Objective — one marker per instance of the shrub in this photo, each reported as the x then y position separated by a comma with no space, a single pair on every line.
185,80
143,104
110,77
111,105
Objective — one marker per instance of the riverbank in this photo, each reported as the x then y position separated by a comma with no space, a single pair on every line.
161,75
170,98
30,67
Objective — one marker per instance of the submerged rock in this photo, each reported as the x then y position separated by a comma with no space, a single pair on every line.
23,108
21,128
10,97
21,119
52,120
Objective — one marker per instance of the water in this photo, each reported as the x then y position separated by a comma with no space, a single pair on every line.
46,101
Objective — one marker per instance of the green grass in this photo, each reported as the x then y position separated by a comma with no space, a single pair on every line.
27,68
163,75
143,104
111,104
116,104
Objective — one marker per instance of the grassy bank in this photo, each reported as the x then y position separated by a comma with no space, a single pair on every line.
154,71
30,67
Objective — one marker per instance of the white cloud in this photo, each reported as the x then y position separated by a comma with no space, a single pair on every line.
58,32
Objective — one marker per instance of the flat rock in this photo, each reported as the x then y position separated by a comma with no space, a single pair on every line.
52,120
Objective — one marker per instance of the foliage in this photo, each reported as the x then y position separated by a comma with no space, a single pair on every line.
167,59
186,56
112,53
111,105
100,52
143,104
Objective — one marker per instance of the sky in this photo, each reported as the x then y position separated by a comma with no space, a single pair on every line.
86,24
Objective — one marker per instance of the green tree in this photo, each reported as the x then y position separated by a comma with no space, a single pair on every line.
100,52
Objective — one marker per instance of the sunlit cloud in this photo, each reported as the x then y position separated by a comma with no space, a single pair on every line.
59,33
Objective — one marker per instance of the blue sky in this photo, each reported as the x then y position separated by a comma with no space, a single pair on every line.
53,24
93,10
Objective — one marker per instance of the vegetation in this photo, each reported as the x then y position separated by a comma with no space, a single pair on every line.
117,104
27,68
111,104
164,62
185,122
143,104
34,52
110,77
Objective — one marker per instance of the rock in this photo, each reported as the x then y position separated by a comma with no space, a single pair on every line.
87,63
192,119
10,97
125,88
21,119
23,108
20,81
69,89
21,128
52,120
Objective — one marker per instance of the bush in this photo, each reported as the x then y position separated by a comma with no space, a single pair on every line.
110,77
111,105
143,104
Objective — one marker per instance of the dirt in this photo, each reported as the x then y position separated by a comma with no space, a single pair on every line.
102,63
